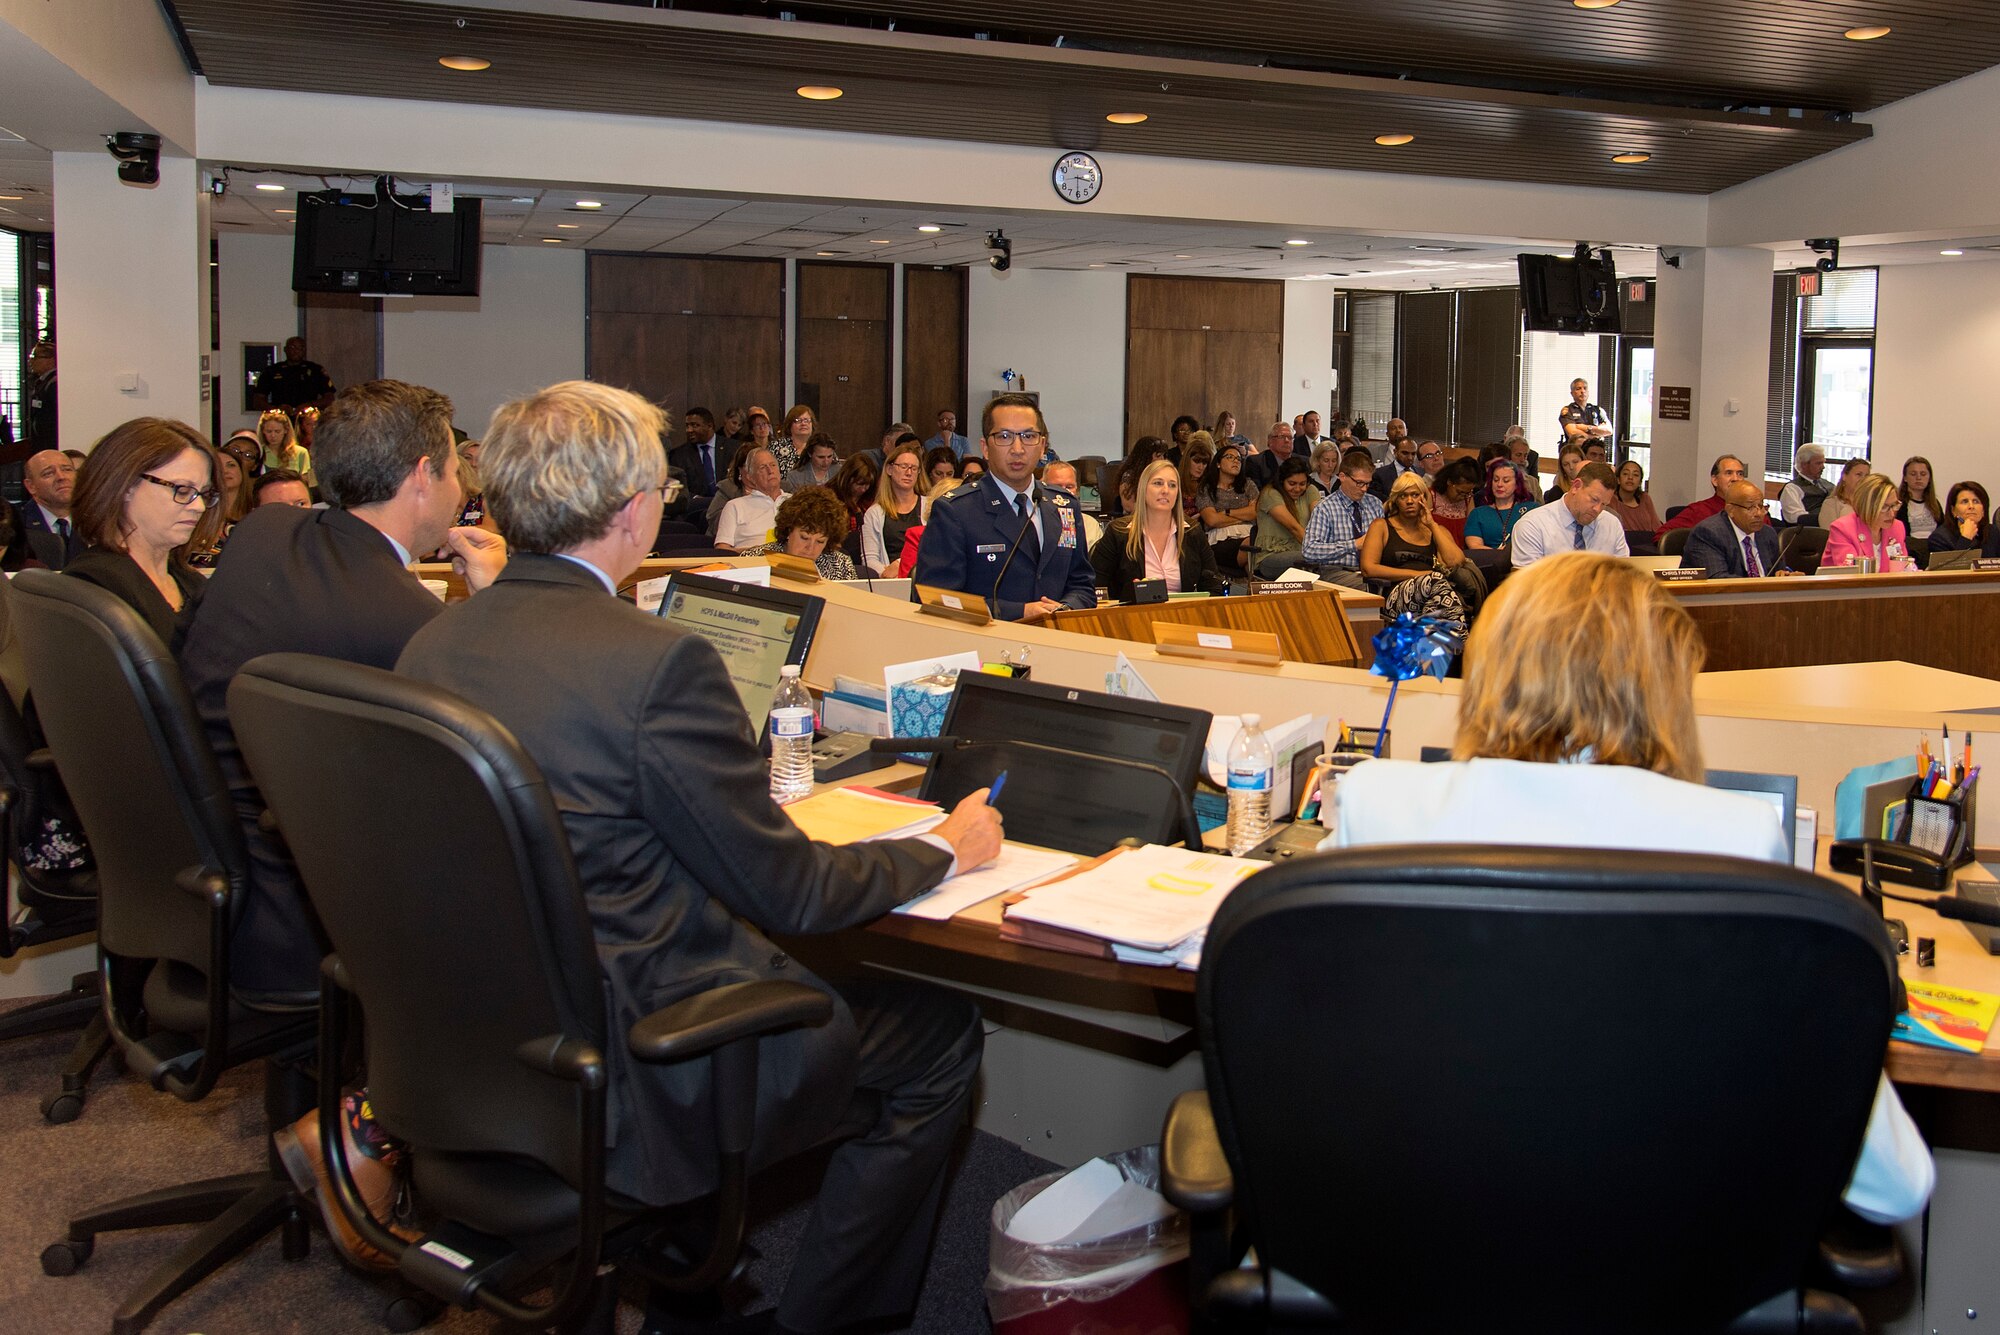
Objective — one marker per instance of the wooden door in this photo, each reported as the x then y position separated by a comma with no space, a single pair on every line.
1202,346
934,349
844,312
343,333
688,332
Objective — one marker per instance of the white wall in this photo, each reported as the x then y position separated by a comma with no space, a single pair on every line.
254,283
1307,383
1065,331
523,331
1712,333
1937,342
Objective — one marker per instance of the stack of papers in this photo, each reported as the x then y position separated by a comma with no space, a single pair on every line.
849,815
1015,867
1152,904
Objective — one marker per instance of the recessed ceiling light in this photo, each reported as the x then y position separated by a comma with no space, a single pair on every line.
1298,241
929,227
1183,257
1867,34
1127,118
1630,159
552,241
878,241
284,210
9,196
568,227
826,254
266,185
1593,4
588,204
1393,140
1951,252
469,64
820,92
1097,266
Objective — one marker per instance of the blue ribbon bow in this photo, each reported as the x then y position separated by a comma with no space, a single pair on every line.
1412,646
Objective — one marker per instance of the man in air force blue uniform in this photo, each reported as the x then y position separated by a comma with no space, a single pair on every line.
1004,538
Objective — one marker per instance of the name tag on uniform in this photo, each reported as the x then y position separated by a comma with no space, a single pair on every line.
988,548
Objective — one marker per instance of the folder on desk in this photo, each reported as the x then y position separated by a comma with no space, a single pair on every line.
1152,898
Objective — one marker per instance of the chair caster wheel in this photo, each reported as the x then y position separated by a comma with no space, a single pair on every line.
63,1107
66,1257
403,1315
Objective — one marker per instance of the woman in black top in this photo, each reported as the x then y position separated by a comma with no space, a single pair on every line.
1968,523
1406,541
146,499
1156,541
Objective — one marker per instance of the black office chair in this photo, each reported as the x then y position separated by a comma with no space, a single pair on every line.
1674,540
1640,542
51,906
1920,552
438,865
1800,548
1526,1089
171,870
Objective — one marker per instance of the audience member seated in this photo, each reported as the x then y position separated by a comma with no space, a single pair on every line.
730,487
1014,544
147,500
902,502
1872,531
280,486
1402,460
1633,505
1507,496
1406,541
757,428
854,483
1968,525
1841,502
1578,522
282,449
1739,543
971,468
1596,450
1197,461
700,461
735,424
1228,507
1144,450
810,526
746,521
1722,474
1452,495
1325,463
821,460
789,445
1568,459
947,436
43,516
940,465
1307,437
1799,500
1061,476
1156,543
691,869
1579,696
1282,510
1918,507
1523,454
234,484
1332,543
1224,430
1279,443
332,582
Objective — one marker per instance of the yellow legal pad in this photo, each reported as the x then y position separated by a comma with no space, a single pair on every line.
849,815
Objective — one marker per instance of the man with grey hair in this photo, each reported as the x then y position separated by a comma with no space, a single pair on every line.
689,868
1800,499
1061,476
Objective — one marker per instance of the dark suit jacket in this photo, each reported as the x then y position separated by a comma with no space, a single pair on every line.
1713,545
1116,570
44,543
687,459
685,861
969,546
1385,477
1264,465
301,581
120,574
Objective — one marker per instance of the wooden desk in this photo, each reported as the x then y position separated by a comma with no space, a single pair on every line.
1311,625
1943,621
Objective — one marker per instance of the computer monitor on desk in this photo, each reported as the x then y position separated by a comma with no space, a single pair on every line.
1077,806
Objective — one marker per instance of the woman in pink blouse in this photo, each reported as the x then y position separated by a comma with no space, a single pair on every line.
1871,531
1157,542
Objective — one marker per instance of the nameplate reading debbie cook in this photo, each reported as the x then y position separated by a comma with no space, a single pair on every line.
1683,575
1260,587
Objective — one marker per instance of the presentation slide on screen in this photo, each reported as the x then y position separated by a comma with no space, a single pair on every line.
753,642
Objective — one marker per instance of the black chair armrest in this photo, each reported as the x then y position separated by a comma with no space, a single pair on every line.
569,1059
205,883
1800,1312
709,1020
1193,1173
1858,1254
1256,1299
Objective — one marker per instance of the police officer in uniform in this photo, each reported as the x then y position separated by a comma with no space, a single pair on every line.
295,382
38,395
1004,538
1583,421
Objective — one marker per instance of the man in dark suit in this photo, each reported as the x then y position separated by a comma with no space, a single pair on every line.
333,582
1004,539
1279,445
702,461
1739,543
689,867
43,515
1402,460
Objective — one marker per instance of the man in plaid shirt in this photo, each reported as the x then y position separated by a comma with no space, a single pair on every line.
1334,532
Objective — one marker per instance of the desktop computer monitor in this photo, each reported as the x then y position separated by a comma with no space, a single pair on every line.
757,631
1081,807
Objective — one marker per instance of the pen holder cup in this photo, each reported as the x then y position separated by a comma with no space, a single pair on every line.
1332,769
1940,826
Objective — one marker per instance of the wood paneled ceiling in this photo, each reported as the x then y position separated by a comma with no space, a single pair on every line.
1715,91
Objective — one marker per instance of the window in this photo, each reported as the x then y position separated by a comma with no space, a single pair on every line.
13,349
1822,368
1372,397
1548,363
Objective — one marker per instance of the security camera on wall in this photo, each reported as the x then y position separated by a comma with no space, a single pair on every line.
138,156
1002,262
1828,250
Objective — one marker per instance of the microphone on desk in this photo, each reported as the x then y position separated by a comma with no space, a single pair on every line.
1966,910
1034,506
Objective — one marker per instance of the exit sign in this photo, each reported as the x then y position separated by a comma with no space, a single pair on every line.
1809,283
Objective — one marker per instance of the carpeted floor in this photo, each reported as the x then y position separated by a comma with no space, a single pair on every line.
131,1139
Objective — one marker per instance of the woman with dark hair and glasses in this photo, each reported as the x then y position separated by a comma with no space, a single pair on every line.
1968,522
147,499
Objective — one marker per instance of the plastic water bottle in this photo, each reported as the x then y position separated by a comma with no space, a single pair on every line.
791,738
1250,767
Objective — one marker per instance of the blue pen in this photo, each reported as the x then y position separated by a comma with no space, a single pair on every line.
993,793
